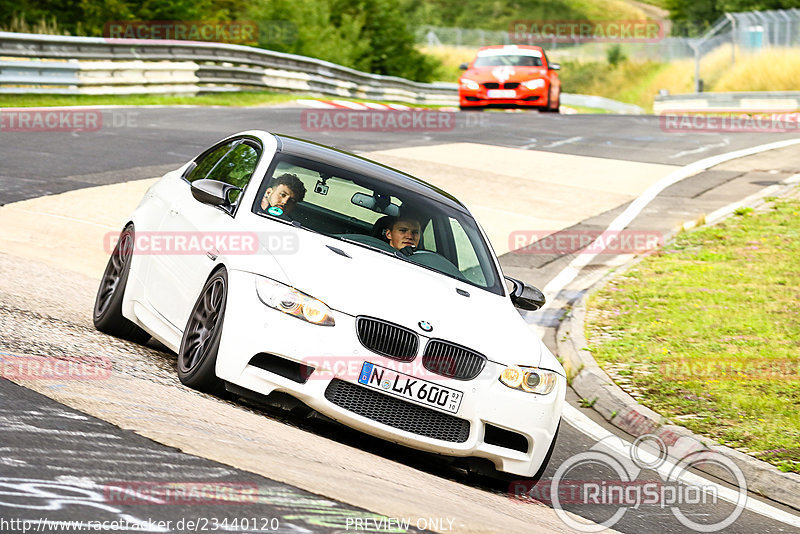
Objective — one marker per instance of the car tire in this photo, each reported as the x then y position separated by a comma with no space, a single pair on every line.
197,356
107,314
547,456
549,107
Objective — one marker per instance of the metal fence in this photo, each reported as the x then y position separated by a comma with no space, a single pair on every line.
747,31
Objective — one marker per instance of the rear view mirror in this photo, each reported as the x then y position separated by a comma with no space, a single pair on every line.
464,66
524,296
378,204
555,66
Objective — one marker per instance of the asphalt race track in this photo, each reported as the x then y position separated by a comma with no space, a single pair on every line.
64,444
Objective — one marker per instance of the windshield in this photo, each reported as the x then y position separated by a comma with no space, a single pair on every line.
379,216
510,60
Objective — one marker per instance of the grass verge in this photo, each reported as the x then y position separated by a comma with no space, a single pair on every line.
260,98
707,332
256,98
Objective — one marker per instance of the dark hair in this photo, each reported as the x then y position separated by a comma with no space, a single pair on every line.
292,182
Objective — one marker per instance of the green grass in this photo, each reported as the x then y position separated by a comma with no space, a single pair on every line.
261,98
227,99
707,332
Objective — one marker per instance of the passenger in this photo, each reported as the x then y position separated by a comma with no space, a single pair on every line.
282,197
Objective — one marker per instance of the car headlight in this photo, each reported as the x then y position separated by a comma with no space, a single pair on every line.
538,83
470,84
293,302
530,379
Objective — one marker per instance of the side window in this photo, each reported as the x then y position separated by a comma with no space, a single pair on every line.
468,262
236,168
206,162
429,238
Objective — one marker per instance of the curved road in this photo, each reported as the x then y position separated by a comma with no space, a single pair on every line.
57,460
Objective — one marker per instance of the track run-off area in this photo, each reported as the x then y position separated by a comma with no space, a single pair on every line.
523,175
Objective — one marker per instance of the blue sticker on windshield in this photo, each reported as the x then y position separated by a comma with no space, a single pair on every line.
275,210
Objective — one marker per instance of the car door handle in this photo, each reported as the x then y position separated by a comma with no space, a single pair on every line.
212,254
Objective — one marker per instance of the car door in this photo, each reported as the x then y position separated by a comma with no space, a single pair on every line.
193,230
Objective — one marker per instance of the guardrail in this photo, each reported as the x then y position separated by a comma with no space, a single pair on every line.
93,65
777,101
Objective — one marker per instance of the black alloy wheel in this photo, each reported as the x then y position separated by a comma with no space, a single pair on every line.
197,356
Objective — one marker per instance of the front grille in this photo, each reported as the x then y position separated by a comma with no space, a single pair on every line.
453,361
492,85
387,339
397,413
511,85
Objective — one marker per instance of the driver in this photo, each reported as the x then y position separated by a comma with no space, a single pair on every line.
402,232
284,194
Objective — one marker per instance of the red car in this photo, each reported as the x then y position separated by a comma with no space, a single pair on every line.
510,76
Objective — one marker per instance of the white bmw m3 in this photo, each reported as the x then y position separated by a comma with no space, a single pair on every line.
277,266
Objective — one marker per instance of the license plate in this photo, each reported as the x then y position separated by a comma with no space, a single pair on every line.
410,388
501,93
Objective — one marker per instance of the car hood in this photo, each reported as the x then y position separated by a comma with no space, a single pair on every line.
505,74
389,288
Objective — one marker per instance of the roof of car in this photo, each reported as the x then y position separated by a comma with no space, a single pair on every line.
356,164
524,50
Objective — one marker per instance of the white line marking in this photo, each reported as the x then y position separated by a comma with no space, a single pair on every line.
399,107
375,105
347,104
315,103
583,424
563,142
704,148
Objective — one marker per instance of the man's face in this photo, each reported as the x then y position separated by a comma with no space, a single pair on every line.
281,197
404,233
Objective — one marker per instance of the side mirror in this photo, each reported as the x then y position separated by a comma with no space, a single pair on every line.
524,296
213,192
554,66
463,66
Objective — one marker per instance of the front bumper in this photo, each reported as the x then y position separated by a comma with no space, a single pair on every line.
523,98
251,328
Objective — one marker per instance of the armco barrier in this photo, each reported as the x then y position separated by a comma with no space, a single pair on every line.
93,65
90,65
777,101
